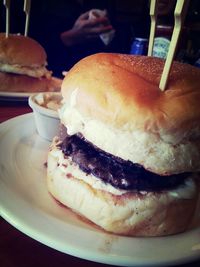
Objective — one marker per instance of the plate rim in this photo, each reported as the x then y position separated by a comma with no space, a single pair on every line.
15,94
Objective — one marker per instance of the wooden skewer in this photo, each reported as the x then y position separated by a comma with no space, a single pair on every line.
179,16
27,7
7,5
153,15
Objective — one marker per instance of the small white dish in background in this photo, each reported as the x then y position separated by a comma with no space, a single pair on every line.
45,109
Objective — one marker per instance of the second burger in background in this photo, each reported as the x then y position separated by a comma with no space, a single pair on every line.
23,63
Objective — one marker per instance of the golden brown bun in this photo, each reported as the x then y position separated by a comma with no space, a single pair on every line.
122,91
22,83
21,50
132,214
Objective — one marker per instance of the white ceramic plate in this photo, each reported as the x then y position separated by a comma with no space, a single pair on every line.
9,96
26,204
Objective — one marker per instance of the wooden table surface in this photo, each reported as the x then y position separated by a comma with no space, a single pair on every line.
19,250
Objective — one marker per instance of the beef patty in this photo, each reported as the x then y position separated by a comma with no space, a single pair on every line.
122,174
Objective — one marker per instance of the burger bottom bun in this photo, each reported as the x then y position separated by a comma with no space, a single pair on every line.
25,84
132,214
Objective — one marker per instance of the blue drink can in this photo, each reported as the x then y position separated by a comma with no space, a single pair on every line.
197,63
139,46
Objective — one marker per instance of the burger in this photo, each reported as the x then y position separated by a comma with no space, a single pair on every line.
128,155
23,63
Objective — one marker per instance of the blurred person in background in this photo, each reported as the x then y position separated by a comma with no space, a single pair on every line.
63,29
66,32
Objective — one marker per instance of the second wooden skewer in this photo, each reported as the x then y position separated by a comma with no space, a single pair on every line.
7,5
27,7
179,15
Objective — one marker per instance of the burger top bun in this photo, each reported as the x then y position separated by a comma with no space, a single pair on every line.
123,91
116,103
22,55
15,49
